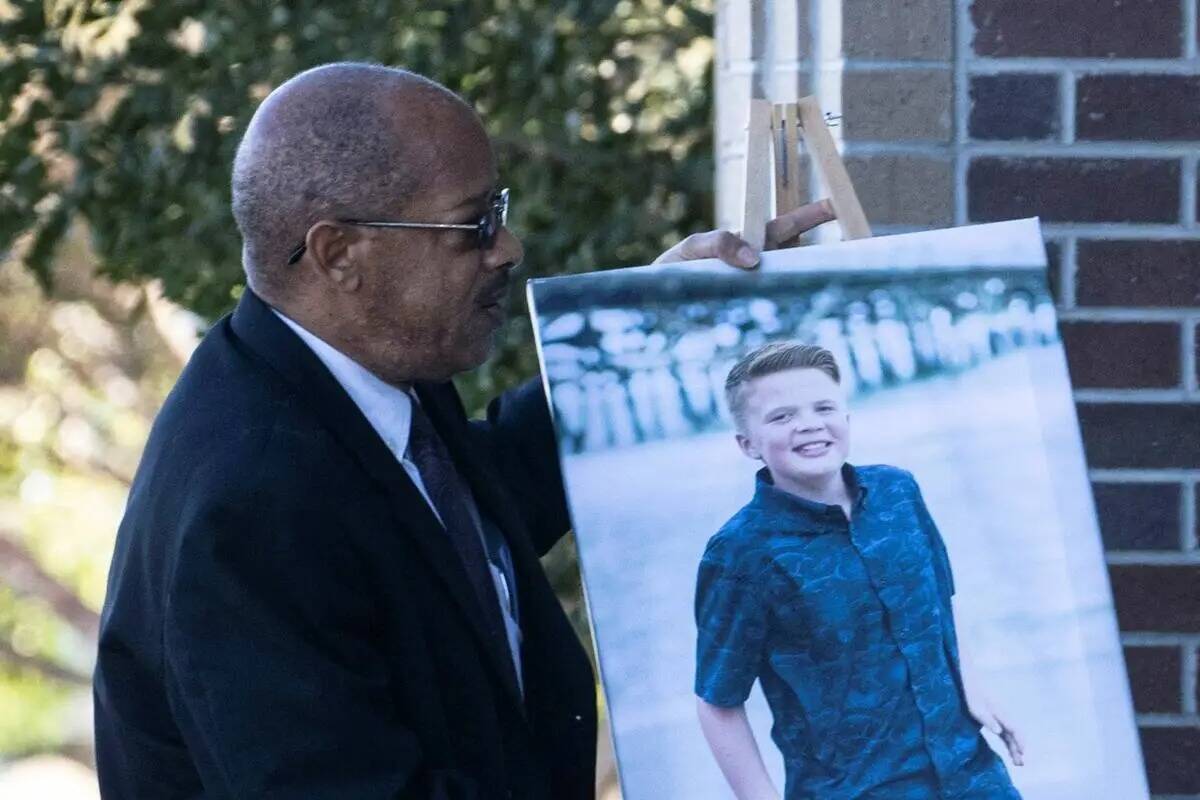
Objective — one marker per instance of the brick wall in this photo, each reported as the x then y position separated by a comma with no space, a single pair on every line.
1087,114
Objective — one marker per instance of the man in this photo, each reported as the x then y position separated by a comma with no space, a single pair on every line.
326,583
832,587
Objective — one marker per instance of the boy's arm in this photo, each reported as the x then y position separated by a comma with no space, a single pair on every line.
731,625
736,751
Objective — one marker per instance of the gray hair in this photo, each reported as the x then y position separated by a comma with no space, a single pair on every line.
325,144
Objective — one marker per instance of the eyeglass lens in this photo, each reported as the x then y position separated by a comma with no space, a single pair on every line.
496,217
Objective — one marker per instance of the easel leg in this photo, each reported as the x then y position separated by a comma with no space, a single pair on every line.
772,136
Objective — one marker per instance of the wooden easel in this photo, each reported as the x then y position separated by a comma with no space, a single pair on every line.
771,137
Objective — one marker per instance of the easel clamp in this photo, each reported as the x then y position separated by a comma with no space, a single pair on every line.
775,128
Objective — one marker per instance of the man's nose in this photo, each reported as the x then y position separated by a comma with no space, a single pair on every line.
507,251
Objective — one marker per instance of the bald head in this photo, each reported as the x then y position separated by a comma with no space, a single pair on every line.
341,140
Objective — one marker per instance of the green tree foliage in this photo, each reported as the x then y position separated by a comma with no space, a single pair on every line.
81,377
127,114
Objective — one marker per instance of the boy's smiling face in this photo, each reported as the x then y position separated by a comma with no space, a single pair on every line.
796,422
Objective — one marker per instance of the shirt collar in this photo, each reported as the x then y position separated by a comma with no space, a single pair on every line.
388,408
819,516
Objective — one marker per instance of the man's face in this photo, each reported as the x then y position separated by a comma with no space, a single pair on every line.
432,300
796,422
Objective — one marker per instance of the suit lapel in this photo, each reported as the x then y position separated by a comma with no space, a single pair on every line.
255,324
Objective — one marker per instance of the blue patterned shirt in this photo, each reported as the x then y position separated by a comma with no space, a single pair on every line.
848,626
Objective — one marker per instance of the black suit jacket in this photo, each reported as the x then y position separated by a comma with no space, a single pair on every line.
286,618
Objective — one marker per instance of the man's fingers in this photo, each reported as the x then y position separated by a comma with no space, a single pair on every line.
727,246
734,250
786,227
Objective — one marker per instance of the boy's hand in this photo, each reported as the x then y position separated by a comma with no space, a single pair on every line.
986,716
736,251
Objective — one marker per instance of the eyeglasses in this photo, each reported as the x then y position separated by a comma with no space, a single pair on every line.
486,229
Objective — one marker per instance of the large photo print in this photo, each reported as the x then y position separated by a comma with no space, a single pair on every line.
835,525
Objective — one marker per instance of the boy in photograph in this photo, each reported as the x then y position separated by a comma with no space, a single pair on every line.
832,587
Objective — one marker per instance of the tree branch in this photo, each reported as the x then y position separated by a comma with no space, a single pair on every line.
42,666
21,571
181,338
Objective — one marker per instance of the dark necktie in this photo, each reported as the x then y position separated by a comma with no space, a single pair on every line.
451,497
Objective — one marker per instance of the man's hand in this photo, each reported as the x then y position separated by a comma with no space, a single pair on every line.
736,251
785,230
983,712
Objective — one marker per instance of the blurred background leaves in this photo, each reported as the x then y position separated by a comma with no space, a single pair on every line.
118,125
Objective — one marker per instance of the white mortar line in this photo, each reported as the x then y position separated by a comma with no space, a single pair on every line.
1066,99
961,208
1143,639
900,148
1092,66
1187,195
1120,230
1112,149
1187,522
1082,314
1189,29
860,65
963,32
1131,396
1191,329
1154,558
1188,680
1168,721
1068,254
1124,151
1144,476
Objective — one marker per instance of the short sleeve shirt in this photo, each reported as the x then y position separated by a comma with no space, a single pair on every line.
848,627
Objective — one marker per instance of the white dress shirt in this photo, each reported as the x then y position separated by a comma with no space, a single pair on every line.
389,410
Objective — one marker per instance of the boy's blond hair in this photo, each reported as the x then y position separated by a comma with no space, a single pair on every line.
769,359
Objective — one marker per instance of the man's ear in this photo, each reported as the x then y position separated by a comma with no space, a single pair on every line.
748,447
329,244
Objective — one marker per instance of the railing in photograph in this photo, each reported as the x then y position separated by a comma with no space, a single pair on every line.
647,359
